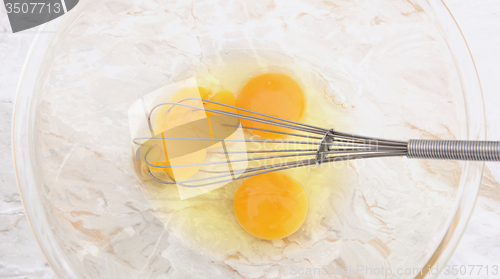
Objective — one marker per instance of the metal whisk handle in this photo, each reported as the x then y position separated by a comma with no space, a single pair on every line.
454,150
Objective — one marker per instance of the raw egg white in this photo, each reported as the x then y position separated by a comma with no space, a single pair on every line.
260,215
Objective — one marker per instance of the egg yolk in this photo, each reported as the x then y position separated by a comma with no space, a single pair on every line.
270,206
224,97
168,117
273,94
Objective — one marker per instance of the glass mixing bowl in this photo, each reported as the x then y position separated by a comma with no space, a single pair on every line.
394,69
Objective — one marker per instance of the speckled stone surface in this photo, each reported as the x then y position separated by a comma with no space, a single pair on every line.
20,256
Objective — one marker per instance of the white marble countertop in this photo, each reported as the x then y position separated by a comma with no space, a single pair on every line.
20,256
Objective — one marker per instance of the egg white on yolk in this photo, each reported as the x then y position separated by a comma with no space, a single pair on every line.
270,206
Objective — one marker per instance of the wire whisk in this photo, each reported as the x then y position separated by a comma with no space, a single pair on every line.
229,157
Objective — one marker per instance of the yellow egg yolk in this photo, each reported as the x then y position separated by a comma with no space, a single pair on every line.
273,94
224,97
270,206
168,118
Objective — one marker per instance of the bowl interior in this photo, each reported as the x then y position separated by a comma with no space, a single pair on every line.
392,69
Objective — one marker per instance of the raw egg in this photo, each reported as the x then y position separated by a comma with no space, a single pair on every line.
224,96
270,206
233,222
273,94
169,117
